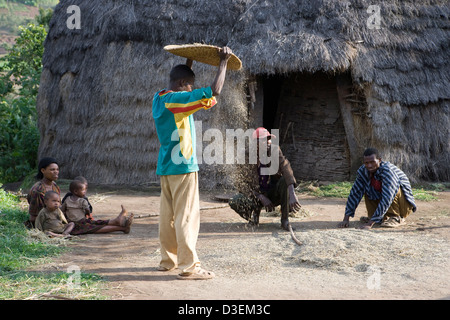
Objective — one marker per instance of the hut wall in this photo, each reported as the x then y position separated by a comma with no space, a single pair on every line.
97,84
415,138
312,132
106,132
98,118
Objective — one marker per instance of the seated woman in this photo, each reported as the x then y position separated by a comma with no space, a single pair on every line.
48,171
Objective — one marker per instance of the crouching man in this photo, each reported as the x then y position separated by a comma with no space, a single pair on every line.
272,190
386,190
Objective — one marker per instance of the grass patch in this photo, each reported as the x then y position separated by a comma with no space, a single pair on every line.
422,192
17,249
25,285
335,190
21,248
429,191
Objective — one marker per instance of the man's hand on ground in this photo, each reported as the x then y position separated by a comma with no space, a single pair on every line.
345,223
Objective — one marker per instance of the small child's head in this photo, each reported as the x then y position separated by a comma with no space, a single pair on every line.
82,179
78,188
51,200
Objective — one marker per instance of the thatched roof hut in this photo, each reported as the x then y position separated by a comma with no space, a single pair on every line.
333,76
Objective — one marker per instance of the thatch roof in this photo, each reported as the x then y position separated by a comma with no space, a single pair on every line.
98,82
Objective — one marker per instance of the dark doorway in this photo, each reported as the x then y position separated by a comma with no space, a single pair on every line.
272,90
305,108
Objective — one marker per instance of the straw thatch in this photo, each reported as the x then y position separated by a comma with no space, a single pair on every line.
98,82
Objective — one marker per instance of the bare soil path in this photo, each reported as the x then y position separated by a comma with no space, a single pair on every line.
411,262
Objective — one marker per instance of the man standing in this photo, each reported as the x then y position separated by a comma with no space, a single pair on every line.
179,221
272,190
386,190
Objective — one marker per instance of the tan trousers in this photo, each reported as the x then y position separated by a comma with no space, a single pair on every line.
400,207
179,221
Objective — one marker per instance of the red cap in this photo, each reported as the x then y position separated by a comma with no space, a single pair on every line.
261,133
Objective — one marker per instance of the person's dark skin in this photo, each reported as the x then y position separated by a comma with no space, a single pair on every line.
51,173
372,163
118,221
81,193
53,203
219,80
294,204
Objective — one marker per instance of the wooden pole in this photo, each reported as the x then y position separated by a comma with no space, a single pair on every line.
343,86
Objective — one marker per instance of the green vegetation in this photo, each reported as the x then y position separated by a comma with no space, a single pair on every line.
20,72
16,249
429,192
21,248
23,285
15,13
426,192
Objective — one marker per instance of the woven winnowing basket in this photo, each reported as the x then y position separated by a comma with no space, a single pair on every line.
203,53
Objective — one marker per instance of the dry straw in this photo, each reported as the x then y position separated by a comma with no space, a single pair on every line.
98,83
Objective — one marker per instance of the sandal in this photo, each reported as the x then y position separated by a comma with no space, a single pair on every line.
393,222
197,274
161,268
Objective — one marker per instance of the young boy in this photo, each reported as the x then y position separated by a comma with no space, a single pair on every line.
179,221
75,206
51,220
68,194
76,209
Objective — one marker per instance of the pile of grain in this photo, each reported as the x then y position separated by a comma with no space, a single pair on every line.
335,250
357,250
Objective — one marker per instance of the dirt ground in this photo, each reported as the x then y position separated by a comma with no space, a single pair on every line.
264,263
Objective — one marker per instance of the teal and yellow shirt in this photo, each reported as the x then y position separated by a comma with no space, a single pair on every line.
174,123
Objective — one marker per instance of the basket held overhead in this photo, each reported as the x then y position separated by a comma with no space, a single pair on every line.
203,53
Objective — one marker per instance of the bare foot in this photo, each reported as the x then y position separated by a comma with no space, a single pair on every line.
129,222
123,217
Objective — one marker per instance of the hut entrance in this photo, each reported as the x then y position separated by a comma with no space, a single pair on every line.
305,108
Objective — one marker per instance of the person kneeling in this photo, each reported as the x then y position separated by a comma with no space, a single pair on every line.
386,190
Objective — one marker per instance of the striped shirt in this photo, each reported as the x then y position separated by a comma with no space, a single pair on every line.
172,112
391,178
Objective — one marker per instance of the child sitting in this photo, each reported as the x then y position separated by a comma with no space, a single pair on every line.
76,209
75,206
68,194
51,220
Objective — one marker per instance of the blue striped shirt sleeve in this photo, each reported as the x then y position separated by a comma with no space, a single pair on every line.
355,196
